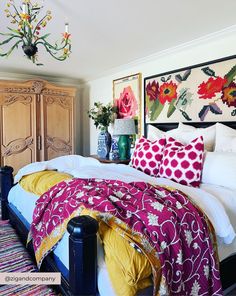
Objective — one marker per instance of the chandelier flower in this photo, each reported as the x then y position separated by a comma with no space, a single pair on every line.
28,32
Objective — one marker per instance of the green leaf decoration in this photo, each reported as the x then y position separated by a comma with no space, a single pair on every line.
156,110
13,47
185,115
186,75
6,40
208,71
230,76
233,113
14,31
163,79
7,34
45,36
148,102
171,108
168,78
178,78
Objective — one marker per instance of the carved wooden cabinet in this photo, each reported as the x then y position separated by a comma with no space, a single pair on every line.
37,121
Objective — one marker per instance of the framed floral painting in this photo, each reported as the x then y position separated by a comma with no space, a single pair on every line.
127,98
199,93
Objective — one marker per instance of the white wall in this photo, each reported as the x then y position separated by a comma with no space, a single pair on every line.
209,48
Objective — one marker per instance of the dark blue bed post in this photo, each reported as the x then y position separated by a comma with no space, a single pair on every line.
6,183
83,255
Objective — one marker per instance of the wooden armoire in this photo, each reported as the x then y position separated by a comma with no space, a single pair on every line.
37,121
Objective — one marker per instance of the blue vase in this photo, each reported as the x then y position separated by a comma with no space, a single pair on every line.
114,148
104,144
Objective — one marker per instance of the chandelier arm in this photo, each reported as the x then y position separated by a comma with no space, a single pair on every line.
52,46
10,51
16,10
8,39
36,11
34,16
30,33
62,58
20,35
14,17
39,23
42,38
27,38
10,34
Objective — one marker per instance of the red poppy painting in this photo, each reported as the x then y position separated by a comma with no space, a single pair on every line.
204,92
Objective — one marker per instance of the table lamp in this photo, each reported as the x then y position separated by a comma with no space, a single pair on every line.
124,128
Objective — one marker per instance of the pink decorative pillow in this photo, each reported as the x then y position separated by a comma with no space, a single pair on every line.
147,155
183,163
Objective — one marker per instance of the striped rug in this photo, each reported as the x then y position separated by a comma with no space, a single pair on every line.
14,258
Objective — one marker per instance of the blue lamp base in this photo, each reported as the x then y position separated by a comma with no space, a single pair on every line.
124,147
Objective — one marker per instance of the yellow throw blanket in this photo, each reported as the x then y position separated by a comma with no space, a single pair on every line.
129,270
40,182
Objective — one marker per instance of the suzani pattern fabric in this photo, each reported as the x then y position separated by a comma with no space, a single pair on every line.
176,237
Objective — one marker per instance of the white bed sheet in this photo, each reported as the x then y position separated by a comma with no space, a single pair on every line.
83,167
227,197
216,202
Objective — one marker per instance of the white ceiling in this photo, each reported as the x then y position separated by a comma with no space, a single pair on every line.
109,33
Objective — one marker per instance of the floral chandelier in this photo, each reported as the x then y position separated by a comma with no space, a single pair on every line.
28,32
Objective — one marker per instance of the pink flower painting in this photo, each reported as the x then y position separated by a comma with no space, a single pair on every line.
127,105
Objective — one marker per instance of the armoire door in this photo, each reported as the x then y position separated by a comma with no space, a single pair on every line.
18,129
56,126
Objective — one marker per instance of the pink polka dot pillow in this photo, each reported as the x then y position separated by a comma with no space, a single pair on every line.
147,155
183,163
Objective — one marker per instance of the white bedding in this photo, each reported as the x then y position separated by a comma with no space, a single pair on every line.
219,203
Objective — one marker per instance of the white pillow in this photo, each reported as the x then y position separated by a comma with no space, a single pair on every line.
155,133
219,168
225,138
189,133
185,134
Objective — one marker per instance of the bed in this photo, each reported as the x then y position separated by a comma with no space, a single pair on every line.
81,276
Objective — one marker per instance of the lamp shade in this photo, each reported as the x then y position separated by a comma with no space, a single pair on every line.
124,127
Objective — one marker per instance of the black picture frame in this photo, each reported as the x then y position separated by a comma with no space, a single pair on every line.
208,106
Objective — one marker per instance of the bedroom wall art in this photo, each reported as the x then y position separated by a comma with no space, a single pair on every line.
200,93
127,98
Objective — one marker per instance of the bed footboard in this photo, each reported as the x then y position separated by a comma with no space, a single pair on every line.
6,183
83,255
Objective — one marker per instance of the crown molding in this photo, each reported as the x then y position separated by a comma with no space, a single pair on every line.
56,79
187,45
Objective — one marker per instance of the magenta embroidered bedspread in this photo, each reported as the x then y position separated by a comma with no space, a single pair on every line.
161,220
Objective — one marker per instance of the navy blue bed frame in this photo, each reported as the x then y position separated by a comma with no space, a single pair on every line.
83,241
